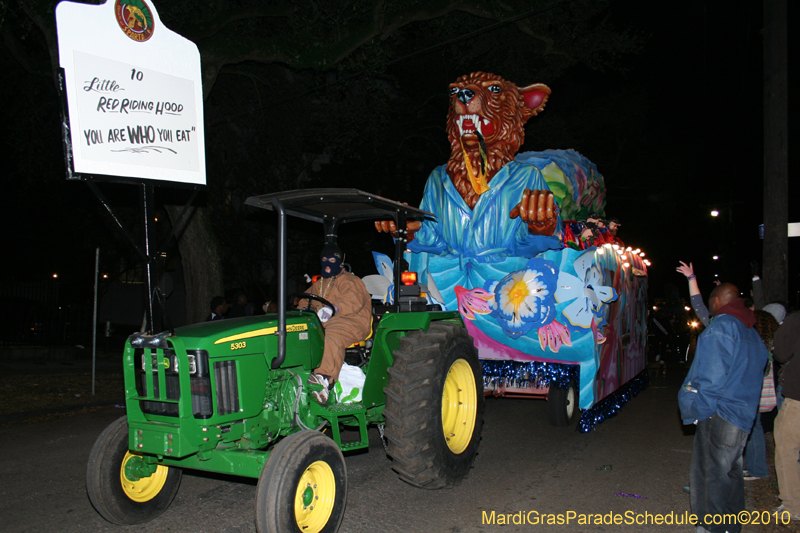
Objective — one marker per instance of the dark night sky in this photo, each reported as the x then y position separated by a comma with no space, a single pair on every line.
686,116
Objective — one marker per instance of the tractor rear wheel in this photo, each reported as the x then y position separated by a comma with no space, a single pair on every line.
303,486
434,406
115,485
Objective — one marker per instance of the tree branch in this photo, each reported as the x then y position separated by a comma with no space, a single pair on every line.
21,55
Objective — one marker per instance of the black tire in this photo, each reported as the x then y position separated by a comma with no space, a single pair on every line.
421,453
104,483
562,405
305,453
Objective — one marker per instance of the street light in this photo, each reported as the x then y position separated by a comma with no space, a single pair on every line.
715,257
714,213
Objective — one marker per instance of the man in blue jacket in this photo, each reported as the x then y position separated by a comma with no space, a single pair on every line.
721,395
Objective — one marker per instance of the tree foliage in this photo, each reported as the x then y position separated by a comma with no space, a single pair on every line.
344,93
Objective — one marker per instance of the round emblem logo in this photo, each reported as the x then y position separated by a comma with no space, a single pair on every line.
135,19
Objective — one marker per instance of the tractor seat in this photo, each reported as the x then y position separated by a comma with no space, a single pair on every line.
357,354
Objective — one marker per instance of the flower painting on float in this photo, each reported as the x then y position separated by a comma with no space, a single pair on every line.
524,299
585,291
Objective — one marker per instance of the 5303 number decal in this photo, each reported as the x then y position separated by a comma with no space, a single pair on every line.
238,345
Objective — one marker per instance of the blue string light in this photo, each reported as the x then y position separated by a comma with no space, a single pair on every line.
540,374
529,374
609,406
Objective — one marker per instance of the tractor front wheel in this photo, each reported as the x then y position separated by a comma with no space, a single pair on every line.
115,485
434,406
303,486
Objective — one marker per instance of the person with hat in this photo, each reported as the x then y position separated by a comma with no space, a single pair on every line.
612,225
349,322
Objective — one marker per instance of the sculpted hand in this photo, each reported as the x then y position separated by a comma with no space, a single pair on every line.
389,226
538,210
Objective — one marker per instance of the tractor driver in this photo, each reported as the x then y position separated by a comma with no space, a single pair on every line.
350,324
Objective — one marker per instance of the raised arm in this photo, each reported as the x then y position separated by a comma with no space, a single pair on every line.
699,307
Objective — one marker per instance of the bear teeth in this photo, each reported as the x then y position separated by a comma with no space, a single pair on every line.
477,121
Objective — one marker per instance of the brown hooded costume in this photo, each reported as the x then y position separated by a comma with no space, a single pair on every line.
352,322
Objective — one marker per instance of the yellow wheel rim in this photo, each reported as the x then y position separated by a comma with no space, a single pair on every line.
146,488
315,497
459,406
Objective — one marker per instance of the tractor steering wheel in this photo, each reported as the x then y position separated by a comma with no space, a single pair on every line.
308,296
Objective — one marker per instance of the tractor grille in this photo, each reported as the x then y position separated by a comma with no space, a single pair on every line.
173,388
165,361
227,387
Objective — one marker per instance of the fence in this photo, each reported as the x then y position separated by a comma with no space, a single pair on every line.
45,314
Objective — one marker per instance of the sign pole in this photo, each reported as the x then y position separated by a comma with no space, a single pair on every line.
133,112
149,274
94,322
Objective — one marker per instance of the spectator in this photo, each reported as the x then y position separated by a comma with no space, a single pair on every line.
218,308
720,395
776,310
270,307
242,307
755,453
759,298
787,424
779,312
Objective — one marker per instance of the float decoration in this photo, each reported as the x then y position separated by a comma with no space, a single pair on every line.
609,406
532,374
587,291
538,311
524,299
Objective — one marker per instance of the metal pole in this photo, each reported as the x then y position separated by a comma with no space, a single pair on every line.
94,322
278,361
400,242
147,195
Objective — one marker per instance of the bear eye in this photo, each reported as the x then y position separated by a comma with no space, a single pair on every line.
495,89
453,90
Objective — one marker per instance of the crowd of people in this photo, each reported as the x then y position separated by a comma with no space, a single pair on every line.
741,371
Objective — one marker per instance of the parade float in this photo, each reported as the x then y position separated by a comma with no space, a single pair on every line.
555,302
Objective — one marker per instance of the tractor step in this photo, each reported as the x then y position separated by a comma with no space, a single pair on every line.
342,408
333,414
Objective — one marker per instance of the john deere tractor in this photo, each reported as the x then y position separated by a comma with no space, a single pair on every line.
231,396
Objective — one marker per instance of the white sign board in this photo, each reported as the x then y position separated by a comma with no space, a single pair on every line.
134,93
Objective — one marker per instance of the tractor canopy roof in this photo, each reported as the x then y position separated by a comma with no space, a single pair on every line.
335,206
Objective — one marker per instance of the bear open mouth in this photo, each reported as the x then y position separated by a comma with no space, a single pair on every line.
469,124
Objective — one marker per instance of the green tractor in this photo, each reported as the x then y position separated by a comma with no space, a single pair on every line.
232,397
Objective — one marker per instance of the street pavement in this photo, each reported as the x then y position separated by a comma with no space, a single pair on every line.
636,462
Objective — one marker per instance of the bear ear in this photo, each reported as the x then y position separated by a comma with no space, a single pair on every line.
535,96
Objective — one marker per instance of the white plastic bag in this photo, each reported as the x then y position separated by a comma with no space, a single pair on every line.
350,385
